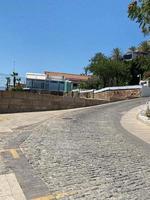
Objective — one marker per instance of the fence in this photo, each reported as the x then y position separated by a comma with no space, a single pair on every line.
111,93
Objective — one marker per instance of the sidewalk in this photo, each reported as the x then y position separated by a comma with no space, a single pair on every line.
132,124
10,188
8,122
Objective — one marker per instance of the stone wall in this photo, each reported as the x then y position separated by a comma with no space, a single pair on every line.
87,95
116,95
26,101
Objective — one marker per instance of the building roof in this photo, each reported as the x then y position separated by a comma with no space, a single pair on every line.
71,77
39,76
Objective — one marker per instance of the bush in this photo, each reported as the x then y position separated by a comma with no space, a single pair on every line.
17,89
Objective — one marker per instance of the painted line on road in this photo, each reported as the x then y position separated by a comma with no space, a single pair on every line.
55,196
49,197
13,152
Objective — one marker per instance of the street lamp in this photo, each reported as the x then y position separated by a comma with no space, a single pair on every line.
139,76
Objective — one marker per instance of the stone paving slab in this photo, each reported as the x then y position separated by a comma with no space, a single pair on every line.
10,188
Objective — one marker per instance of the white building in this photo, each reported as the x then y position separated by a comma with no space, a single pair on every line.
37,81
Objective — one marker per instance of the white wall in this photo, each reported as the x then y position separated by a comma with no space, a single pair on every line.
145,91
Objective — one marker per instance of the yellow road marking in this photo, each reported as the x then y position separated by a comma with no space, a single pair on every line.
14,153
64,194
55,196
49,197
7,150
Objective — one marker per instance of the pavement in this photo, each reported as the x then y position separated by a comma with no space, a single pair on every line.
135,125
78,154
9,188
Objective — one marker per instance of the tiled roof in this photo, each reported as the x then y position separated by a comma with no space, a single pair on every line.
71,77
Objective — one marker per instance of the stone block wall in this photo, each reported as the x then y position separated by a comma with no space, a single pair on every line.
87,95
11,102
117,95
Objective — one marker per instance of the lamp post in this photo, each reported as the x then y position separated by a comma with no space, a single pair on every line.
139,76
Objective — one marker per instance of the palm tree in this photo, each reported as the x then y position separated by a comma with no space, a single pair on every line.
86,70
145,47
7,83
132,48
14,75
117,54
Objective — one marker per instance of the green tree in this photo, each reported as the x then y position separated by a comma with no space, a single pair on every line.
144,46
91,83
8,80
140,12
116,54
14,75
108,72
132,48
138,66
99,68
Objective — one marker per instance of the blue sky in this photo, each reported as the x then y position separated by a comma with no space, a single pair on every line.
62,35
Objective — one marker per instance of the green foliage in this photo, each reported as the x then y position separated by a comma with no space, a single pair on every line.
109,72
18,89
115,71
93,82
144,47
8,83
147,74
140,12
14,75
117,54
132,48
138,66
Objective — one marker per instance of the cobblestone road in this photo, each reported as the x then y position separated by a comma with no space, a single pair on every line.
87,154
